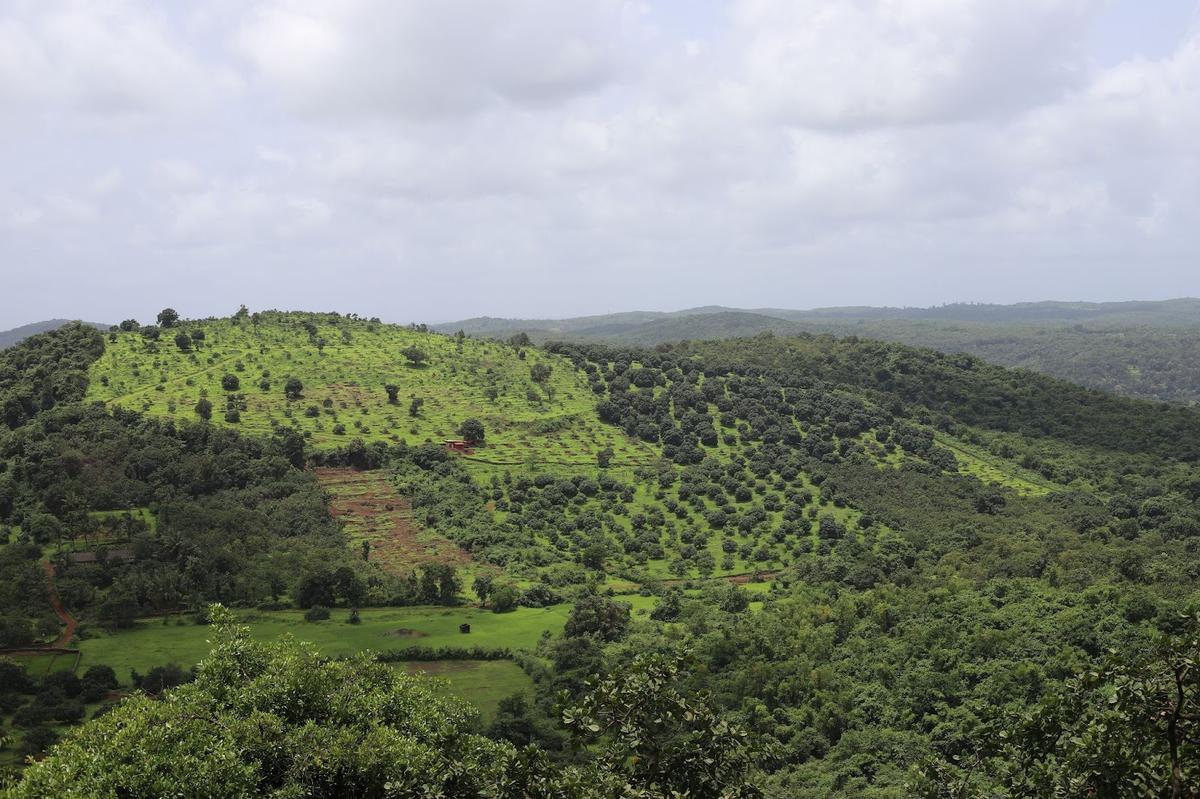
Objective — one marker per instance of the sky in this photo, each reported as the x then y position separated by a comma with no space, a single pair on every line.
430,160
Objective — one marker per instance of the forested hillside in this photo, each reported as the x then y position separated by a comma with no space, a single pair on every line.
17,334
872,559
1139,349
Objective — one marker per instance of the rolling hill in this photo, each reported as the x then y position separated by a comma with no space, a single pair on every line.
862,550
11,337
1140,349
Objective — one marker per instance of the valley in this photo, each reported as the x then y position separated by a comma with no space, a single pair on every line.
866,551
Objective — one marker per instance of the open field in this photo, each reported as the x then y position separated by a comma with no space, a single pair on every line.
483,683
152,643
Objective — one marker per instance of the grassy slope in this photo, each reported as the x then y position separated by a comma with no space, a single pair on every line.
358,358
559,434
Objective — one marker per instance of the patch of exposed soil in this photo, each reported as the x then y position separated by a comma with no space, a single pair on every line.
371,509
404,632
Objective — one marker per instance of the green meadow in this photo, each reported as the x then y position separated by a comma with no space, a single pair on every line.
155,642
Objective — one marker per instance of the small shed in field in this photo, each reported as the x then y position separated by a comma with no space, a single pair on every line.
457,445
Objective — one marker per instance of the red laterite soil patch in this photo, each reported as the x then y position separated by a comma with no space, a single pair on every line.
371,509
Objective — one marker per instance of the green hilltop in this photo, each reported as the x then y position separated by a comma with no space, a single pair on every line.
345,364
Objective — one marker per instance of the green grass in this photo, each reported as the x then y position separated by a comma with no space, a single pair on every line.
350,369
151,643
991,468
483,683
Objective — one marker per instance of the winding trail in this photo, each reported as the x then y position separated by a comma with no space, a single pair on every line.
64,639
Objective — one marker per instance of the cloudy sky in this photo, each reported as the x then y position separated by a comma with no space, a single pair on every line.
436,159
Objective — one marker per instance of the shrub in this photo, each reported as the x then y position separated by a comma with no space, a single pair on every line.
316,613
505,598
231,383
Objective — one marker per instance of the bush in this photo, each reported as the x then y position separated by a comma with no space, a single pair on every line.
162,678
64,681
13,677
539,595
38,740
231,383
316,613
505,598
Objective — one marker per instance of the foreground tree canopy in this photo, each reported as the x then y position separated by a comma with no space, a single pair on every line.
279,720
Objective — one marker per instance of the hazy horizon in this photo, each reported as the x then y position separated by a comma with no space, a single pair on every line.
148,316
445,160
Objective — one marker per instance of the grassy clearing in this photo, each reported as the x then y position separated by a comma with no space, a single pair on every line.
152,643
991,468
483,683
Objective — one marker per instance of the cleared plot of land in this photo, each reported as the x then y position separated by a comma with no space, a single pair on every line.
483,683
991,468
371,510
152,643
344,366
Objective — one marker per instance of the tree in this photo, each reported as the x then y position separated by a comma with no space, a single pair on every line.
1127,729
281,719
13,677
184,342
414,407
439,583
118,612
415,355
505,598
593,555
669,606
539,373
665,740
393,392
482,586
604,457
293,389
167,317
315,588
231,383
471,431
204,409
598,616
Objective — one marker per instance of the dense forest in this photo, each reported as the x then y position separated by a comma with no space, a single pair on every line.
875,571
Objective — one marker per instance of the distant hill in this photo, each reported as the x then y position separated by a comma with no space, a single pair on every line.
1143,349
11,337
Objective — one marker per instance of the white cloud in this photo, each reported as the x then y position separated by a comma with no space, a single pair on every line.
548,157
103,58
431,58
864,63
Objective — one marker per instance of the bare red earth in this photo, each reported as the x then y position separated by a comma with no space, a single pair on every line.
60,611
371,509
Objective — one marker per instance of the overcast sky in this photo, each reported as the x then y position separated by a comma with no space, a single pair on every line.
437,159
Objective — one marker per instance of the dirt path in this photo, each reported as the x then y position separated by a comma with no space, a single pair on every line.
738,579
65,639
